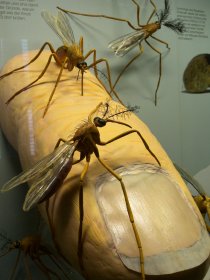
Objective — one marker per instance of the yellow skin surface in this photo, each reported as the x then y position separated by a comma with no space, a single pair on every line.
33,137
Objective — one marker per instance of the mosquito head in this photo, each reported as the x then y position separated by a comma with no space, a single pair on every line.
16,244
99,122
82,65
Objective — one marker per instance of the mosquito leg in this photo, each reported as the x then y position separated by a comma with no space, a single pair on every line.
52,230
59,141
81,214
207,227
29,85
93,51
161,41
137,13
31,61
160,69
50,220
16,264
127,133
127,65
99,15
56,84
55,261
208,213
28,272
51,226
42,268
160,62
130,214
153,12
95,62
81,46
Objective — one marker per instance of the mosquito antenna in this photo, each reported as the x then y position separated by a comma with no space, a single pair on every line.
106,105
175,25
164,14
131,109
134,108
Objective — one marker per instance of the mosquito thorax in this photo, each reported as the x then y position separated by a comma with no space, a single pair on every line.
99,122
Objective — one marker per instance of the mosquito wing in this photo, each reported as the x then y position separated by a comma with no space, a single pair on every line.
38,170
60,25
124,44
48,183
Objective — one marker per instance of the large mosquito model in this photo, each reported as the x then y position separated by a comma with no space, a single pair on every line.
49,173
142,33
68,56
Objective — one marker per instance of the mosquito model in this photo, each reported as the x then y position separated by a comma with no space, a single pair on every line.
68,56
32,247
141,33
49,173
202,200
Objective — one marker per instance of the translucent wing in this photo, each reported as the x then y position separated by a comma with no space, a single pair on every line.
124,44
38,170
46,185
60,25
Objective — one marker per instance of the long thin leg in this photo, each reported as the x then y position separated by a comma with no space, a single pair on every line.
207,226
28,272
128,64
55,261
50,220
153,12
131,217
99,15
59,141
137,13
29,85
160,41
160,69
160,61
95,62
16,264
52,230
42,268
81,213
56,84
127,133
32,60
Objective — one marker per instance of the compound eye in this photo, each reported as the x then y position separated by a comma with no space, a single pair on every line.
82,65
99,122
